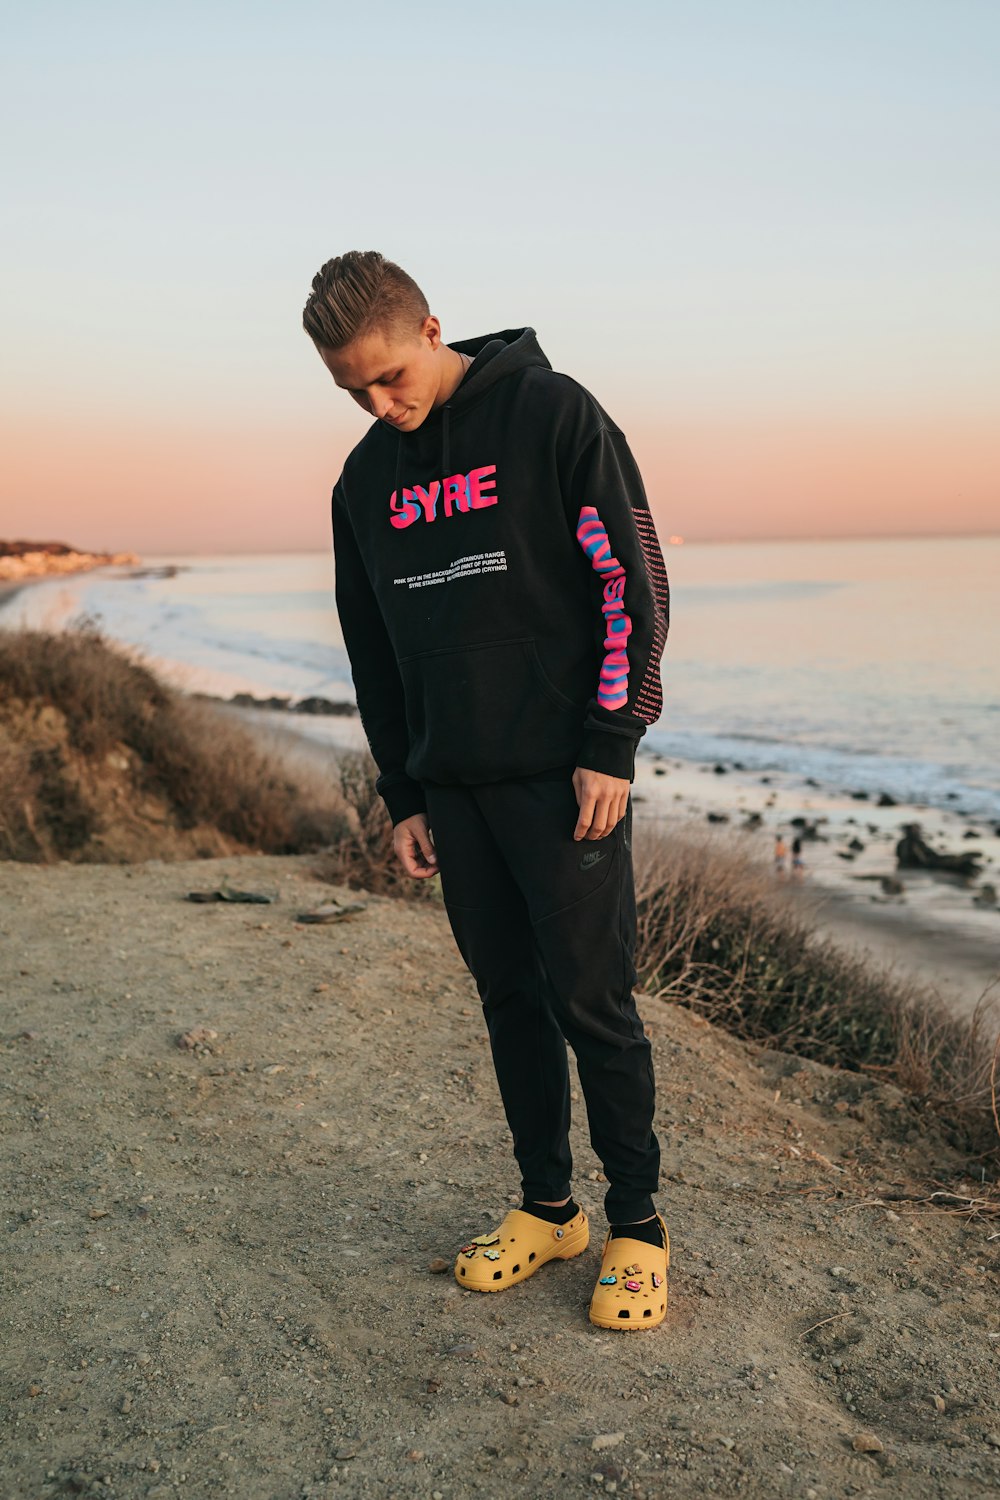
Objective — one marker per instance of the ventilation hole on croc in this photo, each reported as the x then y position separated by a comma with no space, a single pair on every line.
462,1269
663,1307
514,1270
647,1312
623,1312
497,1275
531,1257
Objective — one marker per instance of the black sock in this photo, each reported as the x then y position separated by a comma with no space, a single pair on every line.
650,1232
559,1215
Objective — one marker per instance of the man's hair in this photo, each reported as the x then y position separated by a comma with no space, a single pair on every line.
357,293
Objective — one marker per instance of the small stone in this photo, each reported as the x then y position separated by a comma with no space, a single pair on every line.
839,1271
993,1438
727,1443
438,1265
937,1402
414,1455
866,1442
607,1440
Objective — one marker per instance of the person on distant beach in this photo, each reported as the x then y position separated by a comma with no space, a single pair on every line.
780,854
505,607
798,863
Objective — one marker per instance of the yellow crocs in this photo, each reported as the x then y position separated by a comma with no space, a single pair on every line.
631,1291
492,1262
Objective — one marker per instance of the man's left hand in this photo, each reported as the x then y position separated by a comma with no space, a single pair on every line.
602,801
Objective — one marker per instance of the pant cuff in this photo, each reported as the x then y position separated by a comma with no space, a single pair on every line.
628,1210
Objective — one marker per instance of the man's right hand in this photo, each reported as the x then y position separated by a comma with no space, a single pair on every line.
414,845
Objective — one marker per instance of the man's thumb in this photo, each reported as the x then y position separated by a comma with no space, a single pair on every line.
427,847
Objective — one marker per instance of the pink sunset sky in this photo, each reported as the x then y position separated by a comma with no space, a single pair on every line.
763,236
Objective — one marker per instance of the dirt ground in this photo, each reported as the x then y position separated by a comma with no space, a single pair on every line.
217,1272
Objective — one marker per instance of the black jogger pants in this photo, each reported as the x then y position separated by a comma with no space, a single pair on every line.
547,925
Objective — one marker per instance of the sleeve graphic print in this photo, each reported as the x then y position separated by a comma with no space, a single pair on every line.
616,533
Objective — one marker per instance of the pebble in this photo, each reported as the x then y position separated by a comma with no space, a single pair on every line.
866,1442
438,1264
993,1438
607,1440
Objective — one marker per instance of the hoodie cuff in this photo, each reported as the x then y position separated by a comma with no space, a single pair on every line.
607,750
402,797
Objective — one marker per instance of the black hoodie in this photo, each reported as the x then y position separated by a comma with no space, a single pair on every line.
501,589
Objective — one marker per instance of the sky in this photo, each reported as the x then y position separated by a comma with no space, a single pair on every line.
764,235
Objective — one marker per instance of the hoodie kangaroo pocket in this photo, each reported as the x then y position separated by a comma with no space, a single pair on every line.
485,712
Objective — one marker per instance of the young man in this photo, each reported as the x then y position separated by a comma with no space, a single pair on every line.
505,607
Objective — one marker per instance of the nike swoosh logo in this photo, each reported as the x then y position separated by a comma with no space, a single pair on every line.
592,857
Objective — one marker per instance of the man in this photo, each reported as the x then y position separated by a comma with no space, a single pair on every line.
505,607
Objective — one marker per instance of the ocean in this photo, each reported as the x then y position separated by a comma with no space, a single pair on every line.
862,664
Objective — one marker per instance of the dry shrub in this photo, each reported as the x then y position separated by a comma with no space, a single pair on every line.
715,935
72,701
363,857
18,791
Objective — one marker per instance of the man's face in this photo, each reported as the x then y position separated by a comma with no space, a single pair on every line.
393,377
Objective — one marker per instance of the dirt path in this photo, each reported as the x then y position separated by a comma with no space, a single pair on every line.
216,1275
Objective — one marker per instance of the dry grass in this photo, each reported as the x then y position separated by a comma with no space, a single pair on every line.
715,935
88,735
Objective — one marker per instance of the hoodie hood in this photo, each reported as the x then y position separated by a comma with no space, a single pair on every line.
494,356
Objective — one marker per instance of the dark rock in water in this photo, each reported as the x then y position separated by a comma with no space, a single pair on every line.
952,796
914,853
856,845
247,700
719,771
892,885
324,706
860,796
885,800
738,765
972,833
986,895
752,820
811,781
765,780
659,771
714,817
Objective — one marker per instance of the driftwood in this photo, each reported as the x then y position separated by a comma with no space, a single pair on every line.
914,853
